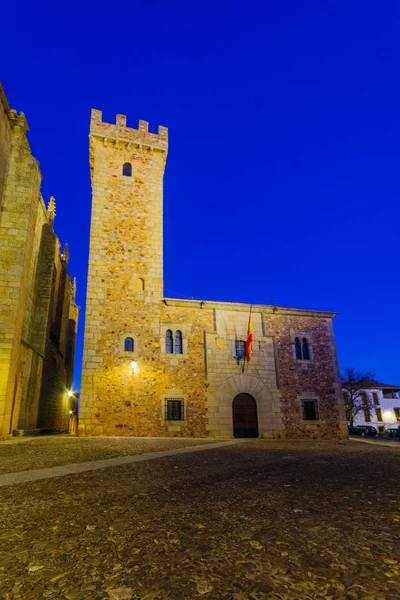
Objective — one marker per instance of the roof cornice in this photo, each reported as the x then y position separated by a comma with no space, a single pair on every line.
256,308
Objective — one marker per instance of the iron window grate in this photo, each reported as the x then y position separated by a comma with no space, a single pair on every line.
174,409
310,410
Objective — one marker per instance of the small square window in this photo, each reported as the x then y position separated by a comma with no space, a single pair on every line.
240,349
310,410
174,410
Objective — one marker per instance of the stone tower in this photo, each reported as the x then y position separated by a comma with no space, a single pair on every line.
125,278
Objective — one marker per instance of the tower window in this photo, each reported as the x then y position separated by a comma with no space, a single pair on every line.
178,343
129,345
169,348
127,170
139,285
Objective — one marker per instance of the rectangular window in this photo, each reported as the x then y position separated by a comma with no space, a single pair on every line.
376,398
310,410
397,413
378,414
367,415
174,409
240,349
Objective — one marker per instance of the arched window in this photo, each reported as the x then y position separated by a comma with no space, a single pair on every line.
298,348
178,342
129,345
169,348
127,170
139,285
306,352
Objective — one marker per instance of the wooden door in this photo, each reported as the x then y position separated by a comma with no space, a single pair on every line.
245,422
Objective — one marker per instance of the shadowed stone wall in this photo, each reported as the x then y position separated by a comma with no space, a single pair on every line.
29,257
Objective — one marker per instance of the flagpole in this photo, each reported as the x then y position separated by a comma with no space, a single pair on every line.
249,341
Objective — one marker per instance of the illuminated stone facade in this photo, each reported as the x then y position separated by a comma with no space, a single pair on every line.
187,389
38,314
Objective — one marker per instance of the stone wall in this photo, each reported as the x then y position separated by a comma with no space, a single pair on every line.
29,253
5,140
125,280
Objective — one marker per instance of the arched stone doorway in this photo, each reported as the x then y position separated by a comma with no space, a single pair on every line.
245,419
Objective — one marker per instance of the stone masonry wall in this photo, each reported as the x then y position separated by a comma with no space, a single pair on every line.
29,251
125,281
17,226
5,141
318,378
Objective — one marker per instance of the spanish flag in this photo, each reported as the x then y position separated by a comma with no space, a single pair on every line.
249,341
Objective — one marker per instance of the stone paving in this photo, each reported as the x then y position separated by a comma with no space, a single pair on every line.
258,520
51,451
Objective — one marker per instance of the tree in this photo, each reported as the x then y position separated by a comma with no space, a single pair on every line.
354,386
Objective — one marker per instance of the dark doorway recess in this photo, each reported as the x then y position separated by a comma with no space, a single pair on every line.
245,423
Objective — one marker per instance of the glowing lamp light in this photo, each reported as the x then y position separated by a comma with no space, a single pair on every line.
133,365
70,393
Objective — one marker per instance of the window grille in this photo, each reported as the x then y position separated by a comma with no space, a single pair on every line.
298,349
169,348
375,397
378,414
127,170
129,344
240,349
310,410
306,353
178,343
174,409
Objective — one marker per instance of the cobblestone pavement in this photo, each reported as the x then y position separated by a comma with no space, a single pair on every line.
261,520
52,451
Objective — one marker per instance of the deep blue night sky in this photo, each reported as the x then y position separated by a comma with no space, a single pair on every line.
282,180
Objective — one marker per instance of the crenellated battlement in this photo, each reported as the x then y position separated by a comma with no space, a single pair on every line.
119,131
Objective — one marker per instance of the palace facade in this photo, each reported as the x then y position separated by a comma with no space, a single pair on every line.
157,366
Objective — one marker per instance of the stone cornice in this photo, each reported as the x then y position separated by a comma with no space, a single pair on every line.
256,308
134,143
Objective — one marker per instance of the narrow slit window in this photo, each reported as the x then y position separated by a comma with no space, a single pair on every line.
127,170
178,342
129,344
169,342
298,349
306,352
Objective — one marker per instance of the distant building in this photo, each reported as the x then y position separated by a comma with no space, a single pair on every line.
38,314
385,413
157,366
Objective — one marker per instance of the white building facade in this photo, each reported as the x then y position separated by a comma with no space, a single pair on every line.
385,412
